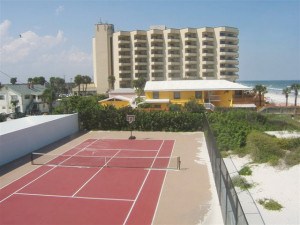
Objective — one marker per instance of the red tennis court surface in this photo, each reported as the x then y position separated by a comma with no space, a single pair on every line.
89,195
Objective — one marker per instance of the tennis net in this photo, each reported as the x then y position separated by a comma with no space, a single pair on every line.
105,161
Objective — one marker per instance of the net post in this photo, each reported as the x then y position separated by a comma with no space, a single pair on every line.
31,158
178,162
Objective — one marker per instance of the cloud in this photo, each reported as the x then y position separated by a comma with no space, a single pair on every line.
59,10
46,55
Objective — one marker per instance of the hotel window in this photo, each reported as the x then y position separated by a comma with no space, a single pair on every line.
176,95
198,94
2,97
155,95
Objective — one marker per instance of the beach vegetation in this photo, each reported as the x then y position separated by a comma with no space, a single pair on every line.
270,204
241,182
264,148
295,87
245,171
260,90
286,91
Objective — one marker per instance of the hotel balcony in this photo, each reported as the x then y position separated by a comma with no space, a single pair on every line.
190,69
208,62
207,70
153,47
207,45
124,68
172,39
229,46
229,53
229,68
174,75
124,40
157,53
124,63
191,74
140,48
229,61
157,63
140,63
191,37
140,71
205,53
174,47
125,75
173,63
124,46
208,75
124,56
229,37
208,38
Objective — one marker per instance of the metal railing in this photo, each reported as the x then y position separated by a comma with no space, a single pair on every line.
232,210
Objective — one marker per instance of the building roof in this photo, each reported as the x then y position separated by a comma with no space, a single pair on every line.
118,97
23,89
122,91
193,85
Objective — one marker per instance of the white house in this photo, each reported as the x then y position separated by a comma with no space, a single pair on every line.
25,98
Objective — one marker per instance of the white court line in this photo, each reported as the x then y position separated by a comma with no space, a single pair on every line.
117,149
142,186
94,175
37,178
162,187
76,197
37,168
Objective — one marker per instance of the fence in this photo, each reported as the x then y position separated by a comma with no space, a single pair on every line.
231,207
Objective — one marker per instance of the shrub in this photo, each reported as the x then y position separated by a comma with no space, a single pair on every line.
241,182
270,204
293,158
263,148
245,171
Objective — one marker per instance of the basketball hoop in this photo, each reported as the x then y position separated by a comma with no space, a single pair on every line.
130,118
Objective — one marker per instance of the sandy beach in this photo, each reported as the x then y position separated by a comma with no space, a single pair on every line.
280,100
279,184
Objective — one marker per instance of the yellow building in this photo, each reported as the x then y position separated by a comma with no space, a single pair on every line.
117,101
210,93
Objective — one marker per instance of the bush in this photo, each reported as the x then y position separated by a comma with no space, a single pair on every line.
241,182
292,158
245,171
270,204
263,148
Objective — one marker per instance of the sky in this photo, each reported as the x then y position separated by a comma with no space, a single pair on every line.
53,38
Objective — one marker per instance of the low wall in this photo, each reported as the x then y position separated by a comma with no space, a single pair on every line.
22,136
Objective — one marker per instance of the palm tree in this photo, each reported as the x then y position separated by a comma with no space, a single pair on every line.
78,81
48,96
139,86
86,80
261,90
13,80
286,91
111,81
295,87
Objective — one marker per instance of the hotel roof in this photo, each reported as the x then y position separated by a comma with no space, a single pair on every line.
193,85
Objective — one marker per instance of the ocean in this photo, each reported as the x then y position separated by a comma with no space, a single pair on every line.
273,86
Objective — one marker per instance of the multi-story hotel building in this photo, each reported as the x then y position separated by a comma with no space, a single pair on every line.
164,54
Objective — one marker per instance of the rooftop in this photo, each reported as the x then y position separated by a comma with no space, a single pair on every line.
194,85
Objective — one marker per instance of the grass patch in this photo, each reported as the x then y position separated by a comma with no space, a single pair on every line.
270,204
245,171
241,182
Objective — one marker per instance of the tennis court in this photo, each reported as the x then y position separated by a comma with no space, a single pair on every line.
99,181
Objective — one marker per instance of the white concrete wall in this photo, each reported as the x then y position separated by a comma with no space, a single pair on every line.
41,131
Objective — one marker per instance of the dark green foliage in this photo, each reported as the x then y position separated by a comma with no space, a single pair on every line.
245,171
263,148
193,106
175,107
2,117
94,116
241,182
270,204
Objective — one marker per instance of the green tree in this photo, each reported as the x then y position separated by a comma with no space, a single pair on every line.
260,90
86,80
194,107
58,85
111,81
49,97
295,87
13,80
78,81
286,91
29,80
